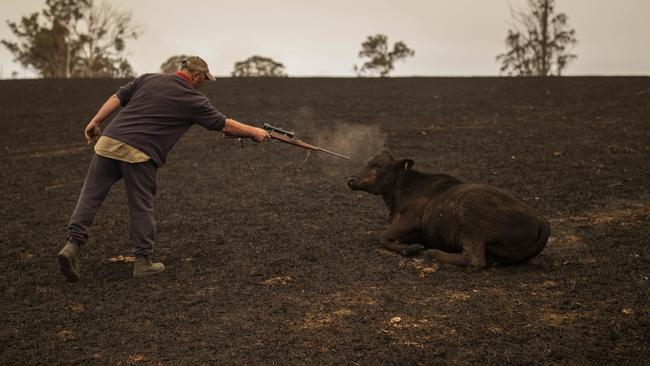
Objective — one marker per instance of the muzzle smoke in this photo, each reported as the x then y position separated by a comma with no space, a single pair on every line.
356,141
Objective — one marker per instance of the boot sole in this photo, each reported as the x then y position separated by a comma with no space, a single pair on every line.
146,274
67,269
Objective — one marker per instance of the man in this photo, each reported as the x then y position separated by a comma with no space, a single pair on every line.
157,109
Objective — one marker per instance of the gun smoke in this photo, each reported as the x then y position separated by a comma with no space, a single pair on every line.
356,141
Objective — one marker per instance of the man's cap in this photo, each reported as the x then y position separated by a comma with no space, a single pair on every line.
195,63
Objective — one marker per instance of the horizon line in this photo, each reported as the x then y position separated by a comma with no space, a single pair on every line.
355,77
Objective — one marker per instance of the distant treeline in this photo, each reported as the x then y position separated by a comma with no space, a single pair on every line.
80,38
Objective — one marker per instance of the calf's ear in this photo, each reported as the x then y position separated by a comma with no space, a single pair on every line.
406,164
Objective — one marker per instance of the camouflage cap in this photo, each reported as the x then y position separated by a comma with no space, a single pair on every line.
195,63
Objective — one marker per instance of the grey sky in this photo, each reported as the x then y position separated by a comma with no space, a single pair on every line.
323,37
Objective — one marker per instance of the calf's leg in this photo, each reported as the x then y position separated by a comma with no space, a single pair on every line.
389,239
471,256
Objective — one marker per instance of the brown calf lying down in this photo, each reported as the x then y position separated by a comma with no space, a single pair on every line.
471,225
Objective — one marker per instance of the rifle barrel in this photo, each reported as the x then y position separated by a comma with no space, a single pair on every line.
333,153
296,142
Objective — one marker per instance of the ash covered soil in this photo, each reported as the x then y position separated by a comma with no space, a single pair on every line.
271,259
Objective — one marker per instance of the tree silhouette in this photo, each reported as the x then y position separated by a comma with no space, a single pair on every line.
258,66
73,38
172,64
540,42
103,34
381,59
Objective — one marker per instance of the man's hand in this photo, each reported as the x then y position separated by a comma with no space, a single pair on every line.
260,135
92,131
110,106
238,129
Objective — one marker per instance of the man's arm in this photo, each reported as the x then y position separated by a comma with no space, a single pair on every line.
110,106
237,129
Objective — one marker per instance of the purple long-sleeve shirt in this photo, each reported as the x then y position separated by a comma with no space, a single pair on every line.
157,109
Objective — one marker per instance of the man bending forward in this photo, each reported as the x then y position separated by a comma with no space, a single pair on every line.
157,109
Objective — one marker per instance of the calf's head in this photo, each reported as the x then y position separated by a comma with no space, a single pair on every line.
379,173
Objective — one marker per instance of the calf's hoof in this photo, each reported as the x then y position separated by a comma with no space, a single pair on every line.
432,254
412,249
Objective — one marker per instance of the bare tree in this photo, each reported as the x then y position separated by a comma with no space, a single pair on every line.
381,59
74,38
540,43
102,35
258,66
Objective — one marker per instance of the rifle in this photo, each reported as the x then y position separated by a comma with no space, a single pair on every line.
288,137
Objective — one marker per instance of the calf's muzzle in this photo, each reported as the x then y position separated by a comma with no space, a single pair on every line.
352,182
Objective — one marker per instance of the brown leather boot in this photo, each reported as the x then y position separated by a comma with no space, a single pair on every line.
144,267
69,261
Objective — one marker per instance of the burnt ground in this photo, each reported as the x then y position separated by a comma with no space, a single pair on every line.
272,260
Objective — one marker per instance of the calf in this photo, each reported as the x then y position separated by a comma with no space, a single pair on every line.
471,225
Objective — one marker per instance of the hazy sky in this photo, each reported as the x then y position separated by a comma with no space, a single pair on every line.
323,37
